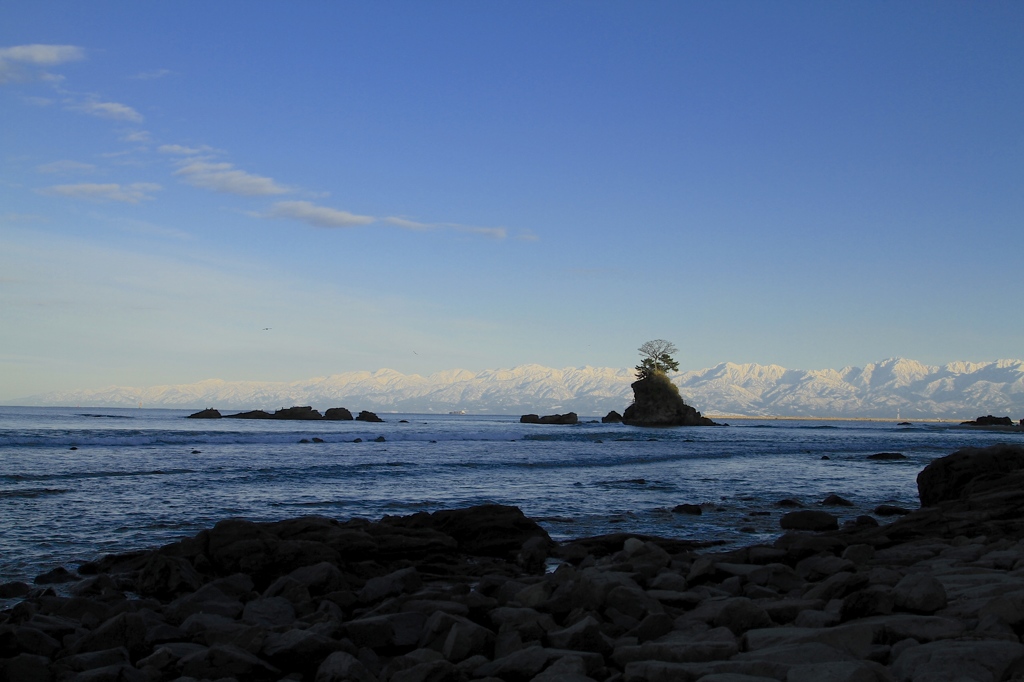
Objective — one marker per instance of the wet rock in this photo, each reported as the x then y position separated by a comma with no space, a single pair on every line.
14,589
809,519
56,576
884,456
692,509
366,416
890,510
612,417
834,500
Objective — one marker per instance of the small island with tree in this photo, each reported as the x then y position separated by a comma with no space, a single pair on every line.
656,400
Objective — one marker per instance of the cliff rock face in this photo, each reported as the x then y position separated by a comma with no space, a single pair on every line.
656,402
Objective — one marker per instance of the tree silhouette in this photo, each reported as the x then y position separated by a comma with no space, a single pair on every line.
657,358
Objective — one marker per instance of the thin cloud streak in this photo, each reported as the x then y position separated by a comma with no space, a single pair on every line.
325,216
112,110
127,194
65,166
317,216
493,232
182,150
224,177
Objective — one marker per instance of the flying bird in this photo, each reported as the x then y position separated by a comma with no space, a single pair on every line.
266,329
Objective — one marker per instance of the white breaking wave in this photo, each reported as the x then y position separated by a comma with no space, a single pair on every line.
897,386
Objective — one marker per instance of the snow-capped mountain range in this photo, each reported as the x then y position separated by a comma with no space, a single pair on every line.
958,390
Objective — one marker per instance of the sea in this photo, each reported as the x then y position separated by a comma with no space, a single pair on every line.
78,483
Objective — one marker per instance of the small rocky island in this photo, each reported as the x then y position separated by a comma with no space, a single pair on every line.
291,414
656,400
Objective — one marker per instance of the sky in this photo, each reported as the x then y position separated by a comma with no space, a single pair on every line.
277,190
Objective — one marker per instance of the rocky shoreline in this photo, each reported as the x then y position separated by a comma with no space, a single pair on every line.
484,594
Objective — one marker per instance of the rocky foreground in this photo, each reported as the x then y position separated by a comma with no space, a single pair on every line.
463,595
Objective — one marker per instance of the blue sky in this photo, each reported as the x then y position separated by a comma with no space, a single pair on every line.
435,185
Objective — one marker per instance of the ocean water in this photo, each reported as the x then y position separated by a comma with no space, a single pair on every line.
145,477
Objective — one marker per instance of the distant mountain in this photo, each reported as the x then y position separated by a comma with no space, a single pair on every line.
958,390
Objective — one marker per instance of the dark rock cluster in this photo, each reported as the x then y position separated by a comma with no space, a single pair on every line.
462,595
989,420
291,413
568,418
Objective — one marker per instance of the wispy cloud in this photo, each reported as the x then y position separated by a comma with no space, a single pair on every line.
493,232
151,75
318,216
147,228
128,194
325,216
112,110
65,166
182,150
224,177
24,62
137,136
21,218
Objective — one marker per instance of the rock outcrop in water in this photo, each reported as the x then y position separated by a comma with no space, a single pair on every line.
567,418
656,402
291,414
208,413
462,595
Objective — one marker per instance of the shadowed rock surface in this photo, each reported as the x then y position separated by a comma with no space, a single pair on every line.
208,413
656,402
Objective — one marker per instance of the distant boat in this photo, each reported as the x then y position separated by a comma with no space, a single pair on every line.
457,412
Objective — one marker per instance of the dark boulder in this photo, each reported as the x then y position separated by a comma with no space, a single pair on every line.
298,413
989,420
568,418
338,414
612,417
656,402
891,510
692,509
366,416
952,477
530,419
809,519
887,456
208,413
251,414
834,500
485,530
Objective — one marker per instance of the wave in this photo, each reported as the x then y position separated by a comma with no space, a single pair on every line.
31,492
93,474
